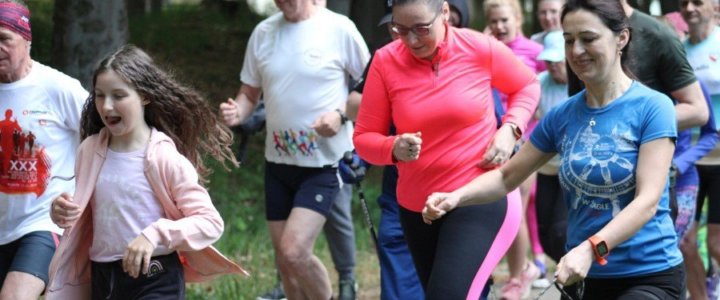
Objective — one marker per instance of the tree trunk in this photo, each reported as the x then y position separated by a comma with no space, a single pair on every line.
84,32
142,7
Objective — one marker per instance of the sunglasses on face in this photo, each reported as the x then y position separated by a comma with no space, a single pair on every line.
418,30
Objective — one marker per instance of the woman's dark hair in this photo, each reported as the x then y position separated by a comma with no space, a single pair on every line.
612,14
178,111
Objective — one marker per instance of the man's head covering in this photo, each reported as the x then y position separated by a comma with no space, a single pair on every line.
388,12
554,50
16,18
461,6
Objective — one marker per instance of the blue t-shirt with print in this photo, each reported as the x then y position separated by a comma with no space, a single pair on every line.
599,150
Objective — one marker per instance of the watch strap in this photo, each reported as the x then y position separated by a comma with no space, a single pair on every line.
343,116
515,129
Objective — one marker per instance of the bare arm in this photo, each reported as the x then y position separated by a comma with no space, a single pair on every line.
489,186
651,175
690,109
496,184
235,111
654,157
353,105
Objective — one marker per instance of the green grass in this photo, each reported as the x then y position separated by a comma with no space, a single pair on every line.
239,196
205,49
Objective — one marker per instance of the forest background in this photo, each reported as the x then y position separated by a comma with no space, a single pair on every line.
203,42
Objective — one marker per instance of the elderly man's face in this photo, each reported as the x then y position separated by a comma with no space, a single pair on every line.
14,51
293,9
697,11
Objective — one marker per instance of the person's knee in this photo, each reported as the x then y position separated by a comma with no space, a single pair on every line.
294,255
688,245
18,286
688,249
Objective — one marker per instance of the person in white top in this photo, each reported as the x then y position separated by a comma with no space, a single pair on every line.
548,13
300,60
39,134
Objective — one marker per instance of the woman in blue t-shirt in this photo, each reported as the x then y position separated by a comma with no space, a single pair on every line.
616,141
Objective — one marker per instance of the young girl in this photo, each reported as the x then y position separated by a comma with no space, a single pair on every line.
140,223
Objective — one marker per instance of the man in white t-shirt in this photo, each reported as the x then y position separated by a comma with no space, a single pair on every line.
39,132
300,60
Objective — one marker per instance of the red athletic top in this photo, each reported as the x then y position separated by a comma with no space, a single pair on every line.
449,100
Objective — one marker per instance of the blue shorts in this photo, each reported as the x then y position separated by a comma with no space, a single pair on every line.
287,187
29,254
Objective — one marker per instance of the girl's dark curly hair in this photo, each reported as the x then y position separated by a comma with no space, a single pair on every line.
176,110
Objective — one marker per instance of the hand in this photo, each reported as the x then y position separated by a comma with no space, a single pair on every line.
407,146
137,255
328,124
352,171
229,112
575,265
64,212
500,148
437,205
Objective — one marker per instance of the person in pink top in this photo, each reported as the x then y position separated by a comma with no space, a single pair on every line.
505,19
434,84
140,223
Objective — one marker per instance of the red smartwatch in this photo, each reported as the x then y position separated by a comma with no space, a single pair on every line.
600,249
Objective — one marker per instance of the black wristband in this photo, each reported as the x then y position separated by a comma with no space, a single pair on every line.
343,117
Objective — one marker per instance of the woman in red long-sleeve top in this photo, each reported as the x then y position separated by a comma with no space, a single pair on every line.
435,86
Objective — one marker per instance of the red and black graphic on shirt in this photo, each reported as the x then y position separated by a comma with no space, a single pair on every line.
24,165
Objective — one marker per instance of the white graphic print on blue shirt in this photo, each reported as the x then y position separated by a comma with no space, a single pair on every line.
599,149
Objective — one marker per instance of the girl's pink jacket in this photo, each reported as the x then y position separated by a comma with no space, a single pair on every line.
192,223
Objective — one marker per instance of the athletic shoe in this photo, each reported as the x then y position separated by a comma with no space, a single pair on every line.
541,282
527,277
513,290
712,286
348,290
276,293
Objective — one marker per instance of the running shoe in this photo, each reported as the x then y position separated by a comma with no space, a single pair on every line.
513,290
348,290
276,293
541,282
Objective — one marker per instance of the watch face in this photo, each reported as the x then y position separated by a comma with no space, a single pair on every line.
602,249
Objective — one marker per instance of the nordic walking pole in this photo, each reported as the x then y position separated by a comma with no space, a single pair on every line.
359,171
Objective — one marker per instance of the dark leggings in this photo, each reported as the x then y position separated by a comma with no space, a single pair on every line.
710,188
455,256
664,285
551,214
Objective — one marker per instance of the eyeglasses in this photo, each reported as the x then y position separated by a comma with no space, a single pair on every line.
579,290
418,30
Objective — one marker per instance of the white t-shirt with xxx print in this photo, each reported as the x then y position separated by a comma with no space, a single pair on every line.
39,134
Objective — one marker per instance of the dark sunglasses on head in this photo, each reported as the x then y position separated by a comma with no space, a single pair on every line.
418,30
